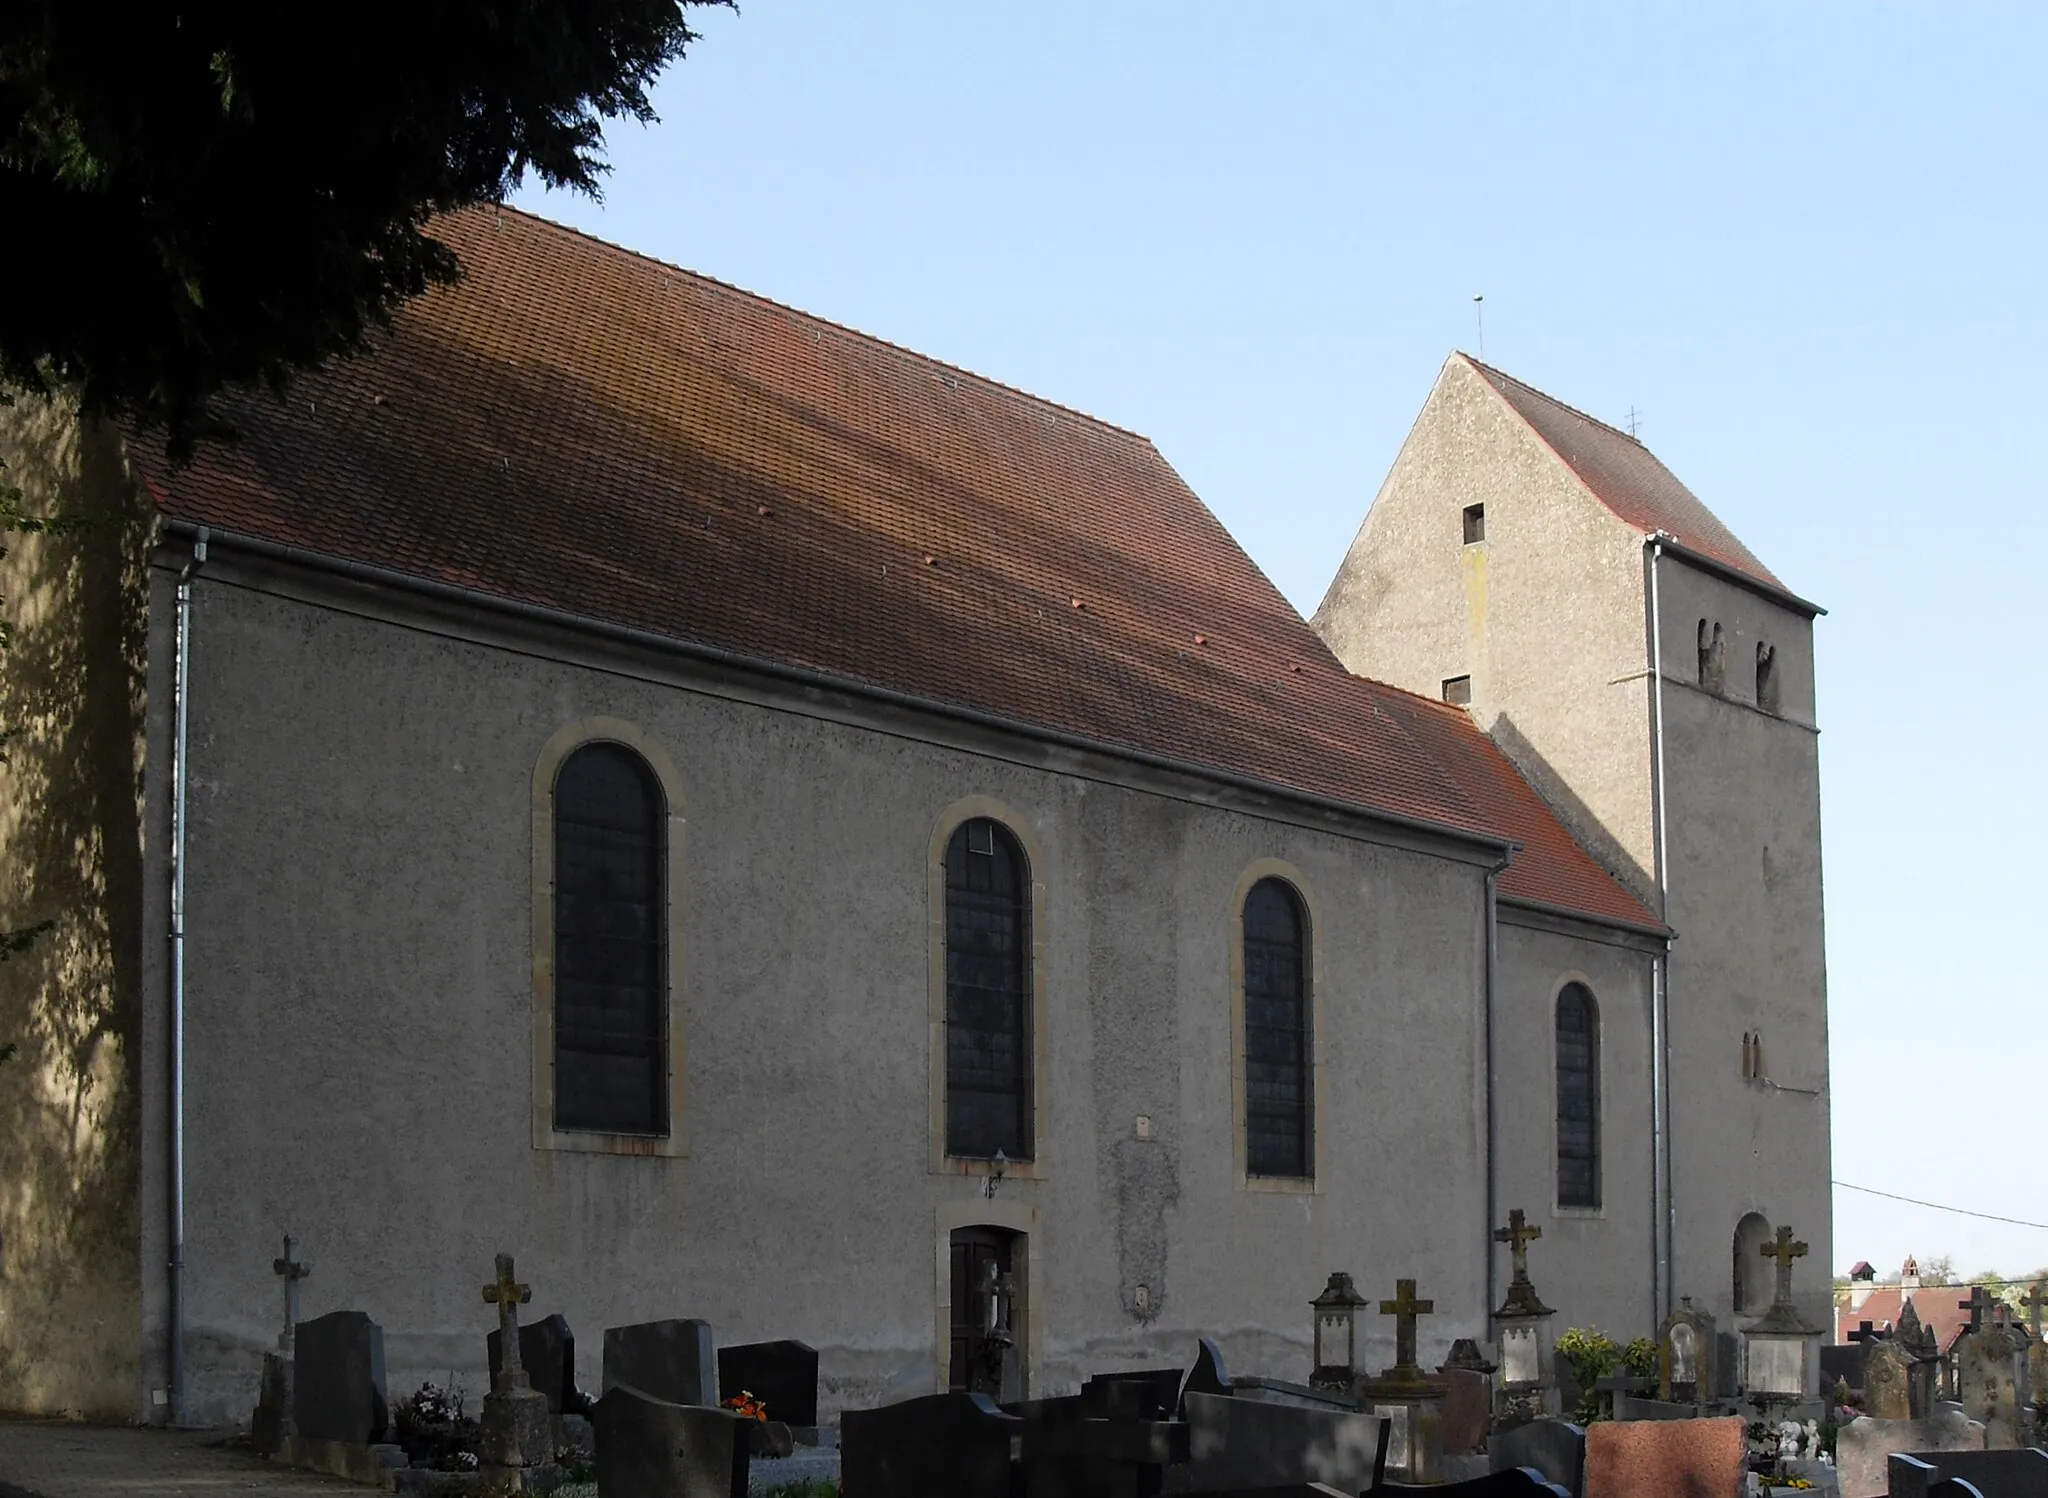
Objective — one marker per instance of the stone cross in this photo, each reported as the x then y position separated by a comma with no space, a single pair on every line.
507,1294
1976,1305
2033,1300
1784,1251
1866,1333
1518,1235
292,1272
1404,1308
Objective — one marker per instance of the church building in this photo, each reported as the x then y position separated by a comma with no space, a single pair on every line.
764,825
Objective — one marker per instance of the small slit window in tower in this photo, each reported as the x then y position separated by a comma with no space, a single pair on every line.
1458,691
1710,655
1475,523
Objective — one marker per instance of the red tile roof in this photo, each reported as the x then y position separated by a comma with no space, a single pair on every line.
1939,1307
581,428
1625,476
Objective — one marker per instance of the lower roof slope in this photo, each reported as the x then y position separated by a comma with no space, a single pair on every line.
581,428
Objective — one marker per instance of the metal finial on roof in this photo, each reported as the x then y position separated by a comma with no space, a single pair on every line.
1479,311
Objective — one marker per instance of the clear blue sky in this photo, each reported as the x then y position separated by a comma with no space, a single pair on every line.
1804,242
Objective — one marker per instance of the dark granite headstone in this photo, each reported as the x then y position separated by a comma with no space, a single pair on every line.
1516,1482
782,1375
1844,1364
1727,1359
1108,1441
547,1350
1996,1474
1208,1376
669,1360
1637,1407
1555,1448
1468,1409
940,1446
1249,1443
1161,1389
338,1379
649,1448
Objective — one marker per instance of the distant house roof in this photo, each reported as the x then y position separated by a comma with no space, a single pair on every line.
583,429
1626,476
1938,1306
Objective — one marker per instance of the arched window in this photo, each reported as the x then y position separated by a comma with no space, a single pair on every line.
1578,1097
1766,677
1277,1042
988,993
610,944
1753,1280
1712,674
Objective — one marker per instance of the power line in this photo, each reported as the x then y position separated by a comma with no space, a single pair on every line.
2018,1222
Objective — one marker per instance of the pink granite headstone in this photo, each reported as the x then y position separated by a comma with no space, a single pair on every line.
1668,1458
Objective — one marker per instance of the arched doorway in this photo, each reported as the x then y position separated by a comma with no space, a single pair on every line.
987,1312
1754,1284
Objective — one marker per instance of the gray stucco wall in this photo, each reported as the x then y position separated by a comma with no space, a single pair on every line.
1595,1266
71,853
1557,580
1746,899
359,1030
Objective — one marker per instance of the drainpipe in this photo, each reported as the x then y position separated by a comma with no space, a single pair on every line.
1663,1210
181,698
1492,1126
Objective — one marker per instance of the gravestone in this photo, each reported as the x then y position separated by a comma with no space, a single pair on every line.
1988,1384
1555,1448
338,1379
1920,1344
940,1446
782,1375
1468,1409
1629,1406
1888,1382
1248,1443
1208,1375
547,1351
669,1360
1410,1400
1863,1446
1669,1458
518,1430
650,1448
1996,1474
1686,1350
1158,1391
271,1426
1112,1440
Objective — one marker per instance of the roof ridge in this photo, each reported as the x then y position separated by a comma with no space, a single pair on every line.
1502,374
871,339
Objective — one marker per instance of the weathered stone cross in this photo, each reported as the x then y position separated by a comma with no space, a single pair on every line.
507,1294
1865,1332
1518,1235
2033,1300
293,1272
1404,1308
1976,1305
1784,1251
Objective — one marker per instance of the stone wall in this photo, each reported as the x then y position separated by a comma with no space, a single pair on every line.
360,1042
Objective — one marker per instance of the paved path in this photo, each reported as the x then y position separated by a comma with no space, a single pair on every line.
62,1459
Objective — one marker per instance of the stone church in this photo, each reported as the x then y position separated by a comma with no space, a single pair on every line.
764,825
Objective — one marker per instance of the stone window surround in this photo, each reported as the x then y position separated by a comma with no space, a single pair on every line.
1036,1168
565,741
1312,1183
1600,1096
1017,1217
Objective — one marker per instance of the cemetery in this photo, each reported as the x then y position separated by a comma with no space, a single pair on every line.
1697,1411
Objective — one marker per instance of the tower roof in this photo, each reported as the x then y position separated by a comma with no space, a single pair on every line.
1627,477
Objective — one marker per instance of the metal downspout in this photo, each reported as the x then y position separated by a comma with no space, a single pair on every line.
1663,1210
1492,1111
175,1161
